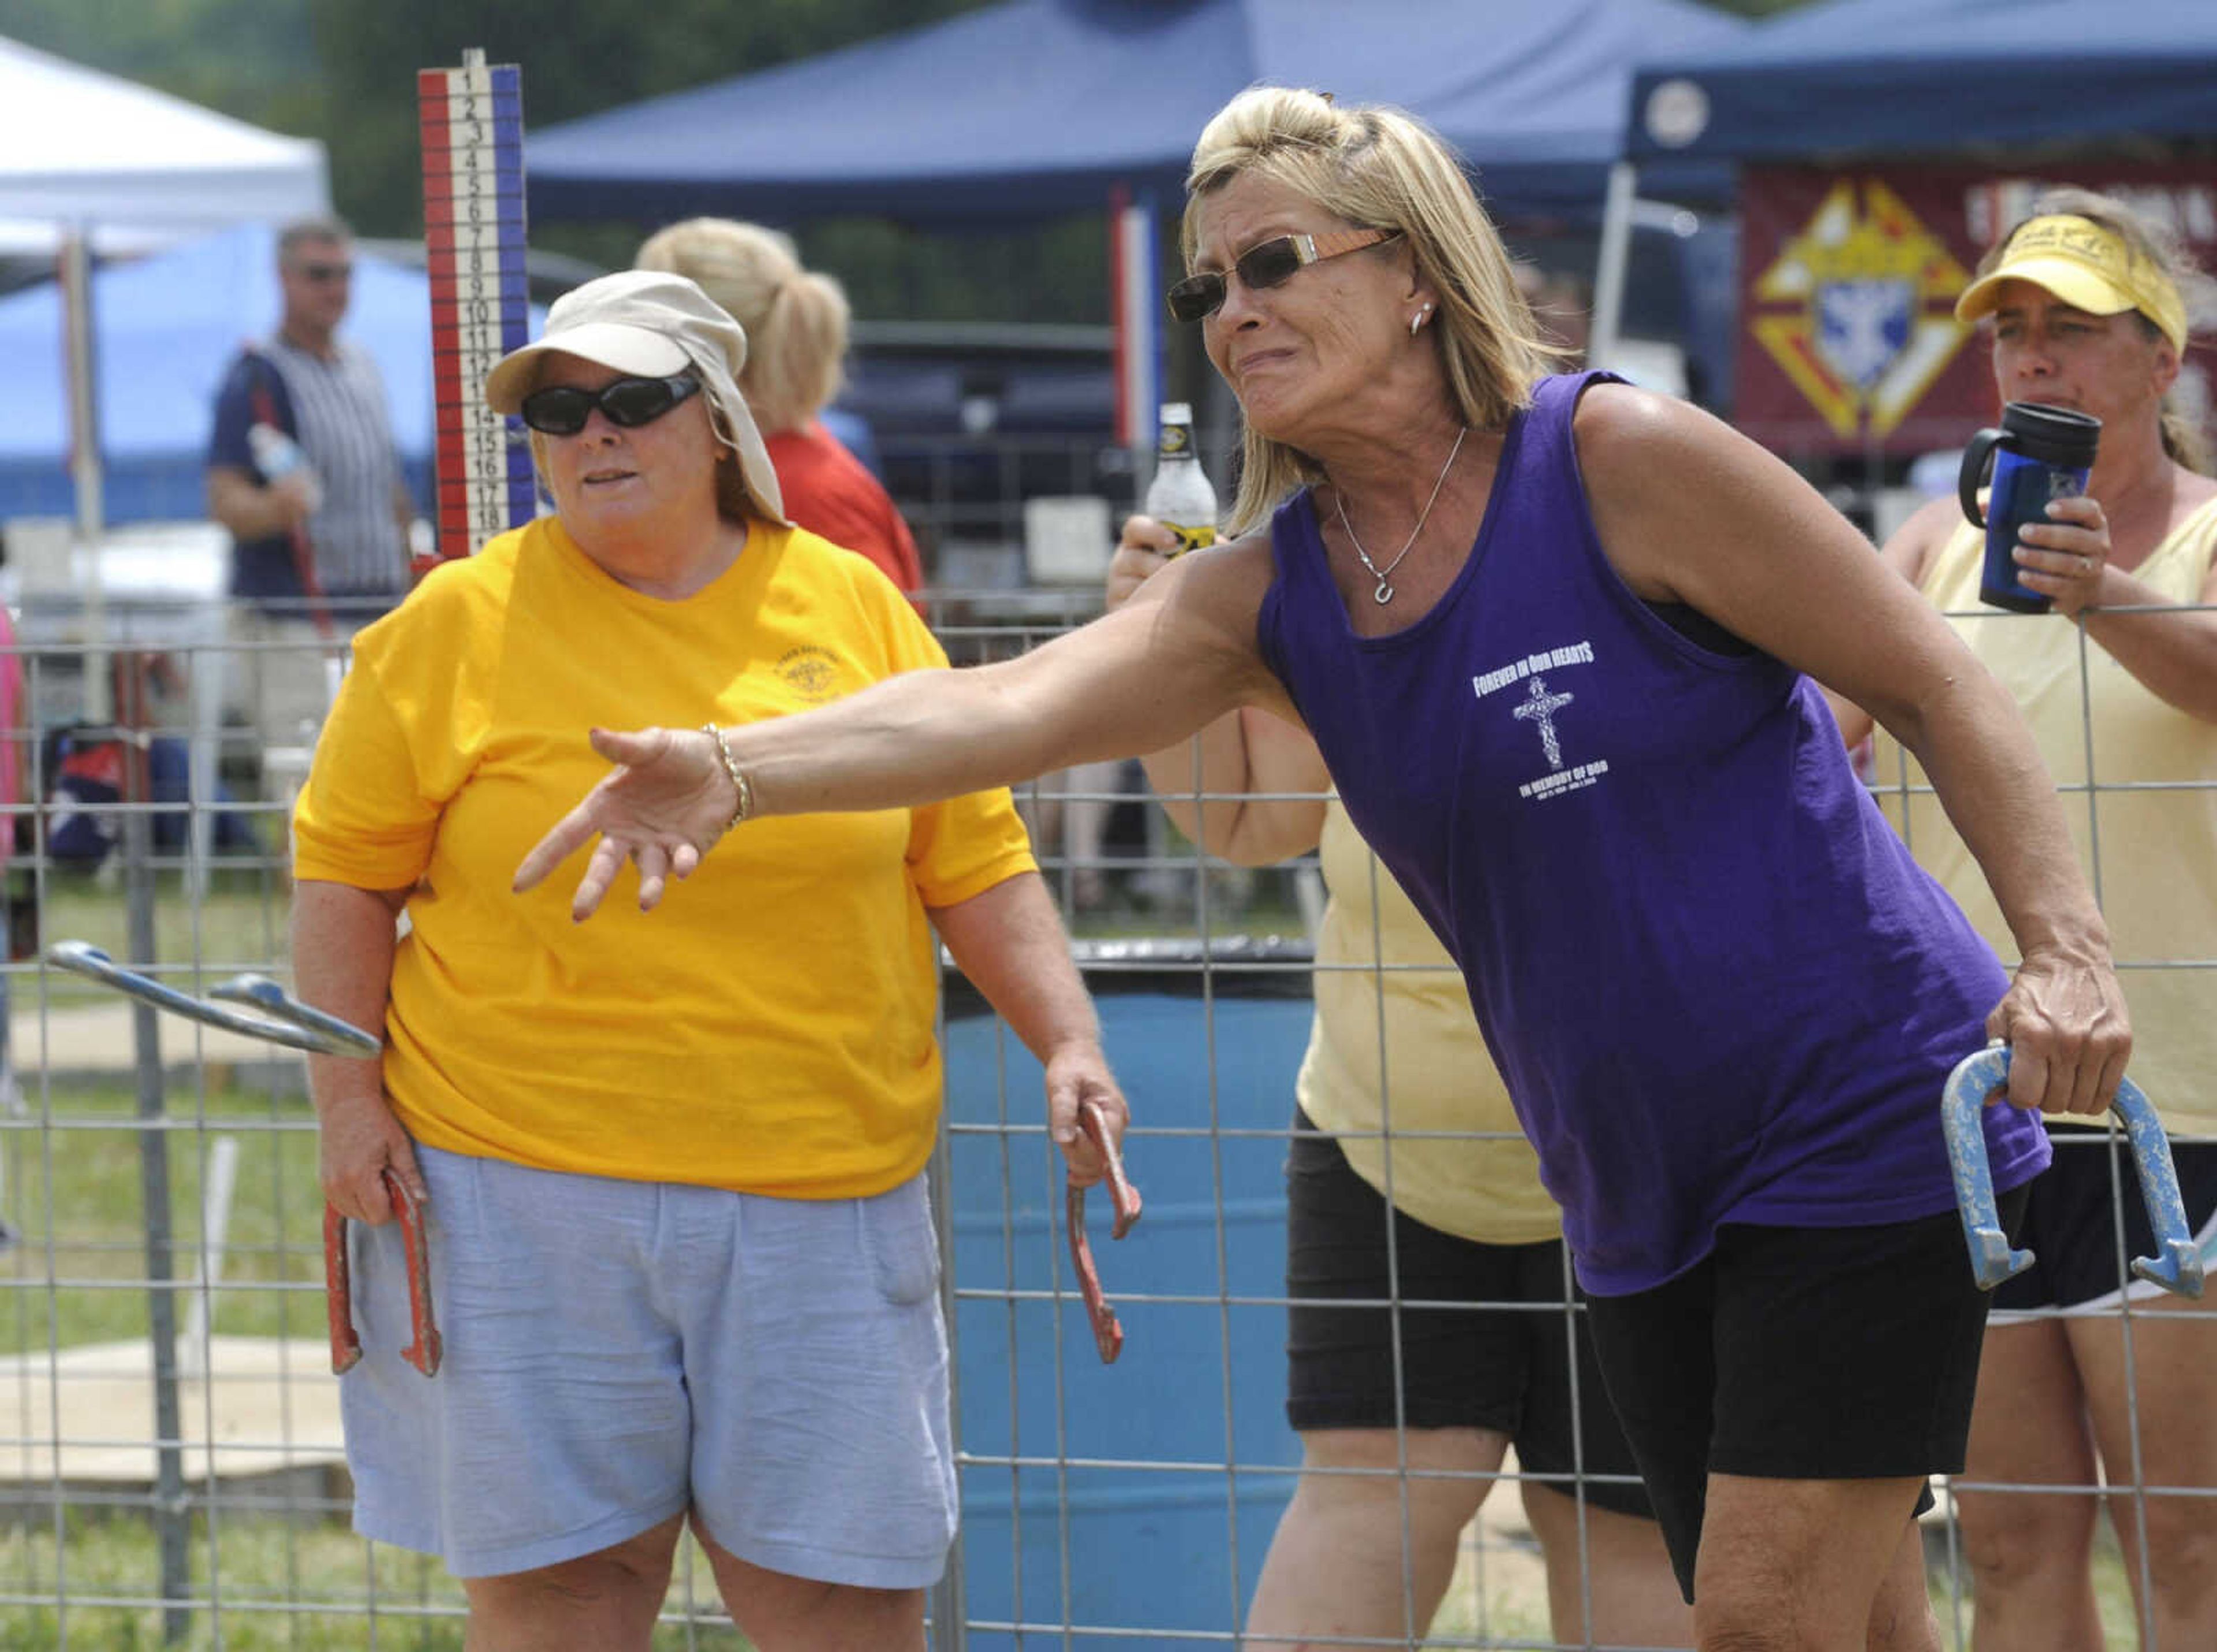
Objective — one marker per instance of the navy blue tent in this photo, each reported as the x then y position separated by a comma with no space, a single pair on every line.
1916,77
1037,107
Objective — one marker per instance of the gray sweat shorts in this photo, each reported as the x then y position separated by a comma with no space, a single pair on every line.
618,1352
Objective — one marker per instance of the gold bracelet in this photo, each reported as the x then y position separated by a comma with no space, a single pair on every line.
740,783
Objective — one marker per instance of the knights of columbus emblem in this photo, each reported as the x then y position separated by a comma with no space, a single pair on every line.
1871,319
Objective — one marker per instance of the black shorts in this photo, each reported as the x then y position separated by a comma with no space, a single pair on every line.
2071,1225
1485,1334
1798,1353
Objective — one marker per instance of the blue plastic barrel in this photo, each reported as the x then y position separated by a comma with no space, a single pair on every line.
1139,1496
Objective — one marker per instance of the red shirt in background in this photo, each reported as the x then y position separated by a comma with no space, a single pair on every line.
829,491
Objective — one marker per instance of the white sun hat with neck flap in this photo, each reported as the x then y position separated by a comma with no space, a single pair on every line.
657,326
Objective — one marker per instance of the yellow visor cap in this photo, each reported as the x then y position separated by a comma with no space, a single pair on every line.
2087,266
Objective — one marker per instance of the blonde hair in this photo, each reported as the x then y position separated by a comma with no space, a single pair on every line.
1378,168
2184,441
795,320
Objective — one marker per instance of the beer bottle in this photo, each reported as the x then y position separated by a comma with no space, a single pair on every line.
1180,496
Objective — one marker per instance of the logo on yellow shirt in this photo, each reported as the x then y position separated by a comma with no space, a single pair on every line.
810,672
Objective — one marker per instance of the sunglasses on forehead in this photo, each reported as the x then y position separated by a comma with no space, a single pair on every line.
563,409
1266,265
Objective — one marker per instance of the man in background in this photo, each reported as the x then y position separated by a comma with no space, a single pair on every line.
303,472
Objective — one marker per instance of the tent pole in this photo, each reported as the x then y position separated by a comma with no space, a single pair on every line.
75,274
1137,329
1615,254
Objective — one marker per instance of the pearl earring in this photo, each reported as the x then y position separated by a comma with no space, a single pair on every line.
1417,321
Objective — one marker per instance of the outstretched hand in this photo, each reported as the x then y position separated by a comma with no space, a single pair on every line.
664,806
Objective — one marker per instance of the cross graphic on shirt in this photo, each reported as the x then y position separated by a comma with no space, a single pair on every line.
1540,707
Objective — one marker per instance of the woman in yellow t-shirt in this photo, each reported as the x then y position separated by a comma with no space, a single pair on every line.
1409,1180
681,1243
2119,685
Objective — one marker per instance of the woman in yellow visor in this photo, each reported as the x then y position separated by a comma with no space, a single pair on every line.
2083,1369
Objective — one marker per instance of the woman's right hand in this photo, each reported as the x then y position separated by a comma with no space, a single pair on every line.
357,1141
1142,553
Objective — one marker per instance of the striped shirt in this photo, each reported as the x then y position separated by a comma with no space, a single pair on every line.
334,407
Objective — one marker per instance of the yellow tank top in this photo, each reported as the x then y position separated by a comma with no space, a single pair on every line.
1430,1071
2139,783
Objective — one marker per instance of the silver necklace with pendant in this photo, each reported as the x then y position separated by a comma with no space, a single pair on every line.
1384,594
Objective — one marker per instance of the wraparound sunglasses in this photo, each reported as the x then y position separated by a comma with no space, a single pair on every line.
1266,265
563,409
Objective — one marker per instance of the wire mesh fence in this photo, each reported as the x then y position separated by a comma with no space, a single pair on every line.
171,1469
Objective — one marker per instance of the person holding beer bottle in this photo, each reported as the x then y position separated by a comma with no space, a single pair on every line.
2088,304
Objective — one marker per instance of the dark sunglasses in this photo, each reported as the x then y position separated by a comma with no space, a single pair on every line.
1266,265
563,409
320,273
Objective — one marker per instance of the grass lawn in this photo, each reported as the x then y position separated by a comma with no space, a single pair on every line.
258,1581
276,1586
72,1187
238,920
1491,1603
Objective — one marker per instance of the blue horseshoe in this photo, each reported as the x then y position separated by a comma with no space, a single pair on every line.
2177,1268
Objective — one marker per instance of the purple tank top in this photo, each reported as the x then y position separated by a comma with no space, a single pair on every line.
1720,988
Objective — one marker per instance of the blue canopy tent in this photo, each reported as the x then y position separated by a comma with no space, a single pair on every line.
1920,77
168,326
1038,107
1928,78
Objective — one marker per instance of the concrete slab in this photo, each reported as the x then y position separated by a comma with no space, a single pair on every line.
85,1415
88,1041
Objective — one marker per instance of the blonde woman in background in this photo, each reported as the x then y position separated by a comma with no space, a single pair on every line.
1451,1217
2088,312
796,323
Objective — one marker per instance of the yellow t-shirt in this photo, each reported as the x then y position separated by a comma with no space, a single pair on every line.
770,1028
2153,807
1432,1070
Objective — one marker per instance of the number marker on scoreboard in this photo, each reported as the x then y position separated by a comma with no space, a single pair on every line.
474,238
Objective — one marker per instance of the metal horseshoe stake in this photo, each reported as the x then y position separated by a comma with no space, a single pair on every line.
2178,1268
280,1020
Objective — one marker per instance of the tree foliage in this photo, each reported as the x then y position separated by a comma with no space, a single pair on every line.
578,57
250,58
345,70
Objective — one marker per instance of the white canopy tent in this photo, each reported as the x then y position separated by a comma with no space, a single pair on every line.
94,165
132,167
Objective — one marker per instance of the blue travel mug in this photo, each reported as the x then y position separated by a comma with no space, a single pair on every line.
2040,453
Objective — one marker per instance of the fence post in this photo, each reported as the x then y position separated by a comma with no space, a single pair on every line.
170,1512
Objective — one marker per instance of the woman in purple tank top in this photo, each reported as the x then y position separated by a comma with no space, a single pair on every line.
1555,638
